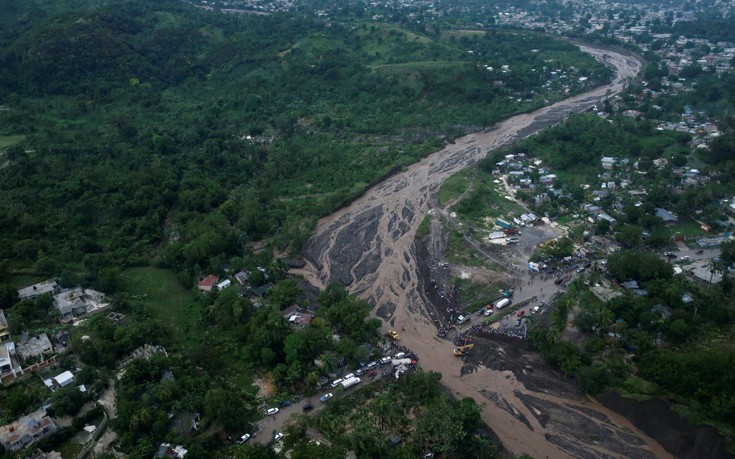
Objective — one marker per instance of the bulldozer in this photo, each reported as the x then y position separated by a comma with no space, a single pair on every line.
459,351
393,335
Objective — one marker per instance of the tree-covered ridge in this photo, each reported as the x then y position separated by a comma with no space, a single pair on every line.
159,124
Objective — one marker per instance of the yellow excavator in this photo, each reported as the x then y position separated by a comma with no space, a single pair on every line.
393,334
459,351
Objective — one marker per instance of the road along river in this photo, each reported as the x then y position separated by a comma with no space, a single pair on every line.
369,246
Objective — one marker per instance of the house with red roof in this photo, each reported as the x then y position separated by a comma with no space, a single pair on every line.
206,284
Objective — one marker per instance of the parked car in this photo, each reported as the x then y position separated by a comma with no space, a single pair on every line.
271,411
308,406
278,436
685,258
535,309
348,376
700,252
326,396
384,360
399,355
371,365
521,312
243,439
518,322
360,371
337,382
372,373
286,403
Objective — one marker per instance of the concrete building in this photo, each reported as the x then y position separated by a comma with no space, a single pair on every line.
76,302
33,291
4,329
26,431
35,347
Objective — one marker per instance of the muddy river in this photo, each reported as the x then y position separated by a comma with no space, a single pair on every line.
369,246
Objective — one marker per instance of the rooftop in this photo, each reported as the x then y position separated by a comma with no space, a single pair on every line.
26,430
666,216
35,346
32,291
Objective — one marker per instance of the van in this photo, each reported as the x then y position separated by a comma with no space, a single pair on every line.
502,303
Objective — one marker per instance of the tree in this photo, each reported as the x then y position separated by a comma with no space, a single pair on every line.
630,235
8,296
67,401
227,408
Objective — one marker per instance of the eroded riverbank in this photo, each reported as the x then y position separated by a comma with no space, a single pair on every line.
370,247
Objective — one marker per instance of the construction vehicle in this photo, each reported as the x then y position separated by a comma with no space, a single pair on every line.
459,351
549,243
393,335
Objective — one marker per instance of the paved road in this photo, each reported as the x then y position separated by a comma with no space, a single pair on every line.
269,425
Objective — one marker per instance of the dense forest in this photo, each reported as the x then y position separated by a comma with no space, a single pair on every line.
145,144
183,135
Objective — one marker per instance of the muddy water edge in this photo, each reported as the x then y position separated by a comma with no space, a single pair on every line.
370,247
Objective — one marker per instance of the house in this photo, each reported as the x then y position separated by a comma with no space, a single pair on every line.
300,319
606,217
224,284
291,310
206,284
6,364
33,291
4,329
27,430
63,379
662,310
666,216
76,302
169,451
242,277
35,347
608,162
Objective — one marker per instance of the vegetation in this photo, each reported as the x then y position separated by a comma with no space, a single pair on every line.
188,134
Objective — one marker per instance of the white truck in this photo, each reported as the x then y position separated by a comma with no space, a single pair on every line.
502,303
347,383
462,319
399,362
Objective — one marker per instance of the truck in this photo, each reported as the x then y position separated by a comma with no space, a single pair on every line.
502,303
399,362
462,319
347,383
503,224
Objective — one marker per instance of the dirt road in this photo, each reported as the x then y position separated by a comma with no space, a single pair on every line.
369,246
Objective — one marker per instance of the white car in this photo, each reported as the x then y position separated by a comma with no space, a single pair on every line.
337,382
271,411
384,360
348,376
278,436
399,355
243,439
535,309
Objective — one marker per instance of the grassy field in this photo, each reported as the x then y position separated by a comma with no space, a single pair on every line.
448,35
161,294
7,141
687,228
454,186
410,67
